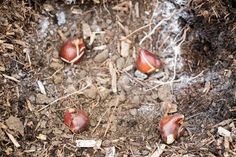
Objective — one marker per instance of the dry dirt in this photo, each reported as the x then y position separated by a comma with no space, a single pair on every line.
196,43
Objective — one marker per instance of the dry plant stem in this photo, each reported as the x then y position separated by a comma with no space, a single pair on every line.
54,73
137,30
157,25
101,119
64,97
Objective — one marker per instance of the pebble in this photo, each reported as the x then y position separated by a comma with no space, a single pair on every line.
120,62
91,92
104,92
124,82
133,112
42,99
57,79
82,74
61,18
140,75
15,124
101,57
135,100
164,93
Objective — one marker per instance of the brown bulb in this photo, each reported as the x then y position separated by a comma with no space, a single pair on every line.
171,127
76,120
72,50
147,62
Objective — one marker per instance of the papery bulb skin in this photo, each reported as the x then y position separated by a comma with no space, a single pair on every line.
72,50
171,127
77,120
147,62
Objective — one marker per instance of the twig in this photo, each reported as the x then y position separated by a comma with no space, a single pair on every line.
53,73
10,78
64,97
135,31
13,140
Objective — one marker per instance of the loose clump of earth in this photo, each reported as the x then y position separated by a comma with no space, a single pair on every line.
195,41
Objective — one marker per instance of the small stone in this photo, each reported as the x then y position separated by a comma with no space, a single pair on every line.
57,79
2,68
104,92
124,82
42,99
120,62
108,21
91,92
82,74
135,100
140,75
70,89
224,132
122,96
56,64
15,124
61,18
164,93
133,112
101,57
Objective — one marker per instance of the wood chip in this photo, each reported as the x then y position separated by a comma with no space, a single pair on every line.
224,132
88,143
113,77
10,78
13,140
30,107
20,42
8,46
125,46
102,47
42,137
86,30
41,87
124,6
128,68
136,8
160,149
62,35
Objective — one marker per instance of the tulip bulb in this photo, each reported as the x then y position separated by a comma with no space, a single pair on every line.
147,62
76,120
171,127
72,50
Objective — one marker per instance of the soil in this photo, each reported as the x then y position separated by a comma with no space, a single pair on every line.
124,105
